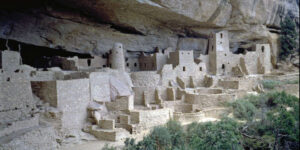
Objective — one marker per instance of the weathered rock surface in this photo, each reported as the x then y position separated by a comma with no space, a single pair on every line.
93,26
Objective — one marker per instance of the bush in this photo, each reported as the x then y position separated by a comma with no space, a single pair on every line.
270,84
218,135
243,109
106,147
177,134
291,81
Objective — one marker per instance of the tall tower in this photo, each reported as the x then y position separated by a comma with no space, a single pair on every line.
116,58
219,53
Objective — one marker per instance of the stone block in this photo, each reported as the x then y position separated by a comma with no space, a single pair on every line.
100,87
11,60
171,94
181,83
109,135
124,119
71,97
145,78
15,95
229,84
208,100
121,103
107,124
150,118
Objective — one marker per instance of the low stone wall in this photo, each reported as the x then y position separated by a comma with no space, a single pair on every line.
229,84
121,103
150,118
208,100
145,78
188,117
16,100
144,93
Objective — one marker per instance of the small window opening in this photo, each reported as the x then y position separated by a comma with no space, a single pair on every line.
183,68
221,35
8,79
126,59
223,66
263,49
89,62
135,64
104,66
127,64
200,68
225,54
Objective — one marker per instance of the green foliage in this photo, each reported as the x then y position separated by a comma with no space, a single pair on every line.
243,109
162,137
106,147
271,84
271,121
275,124
214,136
288,37
177,134
291,81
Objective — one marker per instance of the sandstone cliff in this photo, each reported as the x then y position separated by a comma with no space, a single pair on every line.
93,26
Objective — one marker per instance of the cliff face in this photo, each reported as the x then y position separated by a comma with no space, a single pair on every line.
93,26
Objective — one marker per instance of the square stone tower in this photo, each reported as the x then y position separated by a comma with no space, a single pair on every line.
218,52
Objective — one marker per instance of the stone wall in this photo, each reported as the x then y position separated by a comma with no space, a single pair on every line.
16,100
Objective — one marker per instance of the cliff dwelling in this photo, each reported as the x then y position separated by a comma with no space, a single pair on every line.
68,81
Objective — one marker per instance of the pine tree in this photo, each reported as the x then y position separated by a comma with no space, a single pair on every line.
288,37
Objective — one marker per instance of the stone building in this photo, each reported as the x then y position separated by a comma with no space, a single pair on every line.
221,61
133,64
111,103
11,60
154,62
116,57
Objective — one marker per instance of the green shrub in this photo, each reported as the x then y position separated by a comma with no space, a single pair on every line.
243,109
177,134
106,147
162,137
270,84
291,81
214,136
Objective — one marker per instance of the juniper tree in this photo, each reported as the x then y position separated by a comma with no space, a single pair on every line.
288,37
